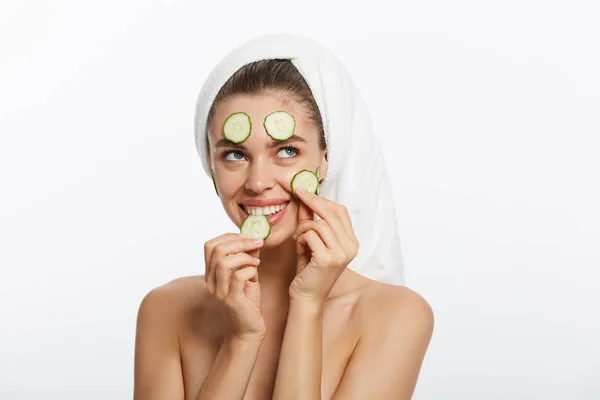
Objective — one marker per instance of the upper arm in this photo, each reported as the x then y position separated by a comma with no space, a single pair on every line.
387,359
158,373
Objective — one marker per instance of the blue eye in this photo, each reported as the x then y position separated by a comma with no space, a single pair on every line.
235,158
289,152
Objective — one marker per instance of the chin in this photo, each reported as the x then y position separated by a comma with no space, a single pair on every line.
276,238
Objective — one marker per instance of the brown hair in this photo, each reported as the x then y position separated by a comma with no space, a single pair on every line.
278,76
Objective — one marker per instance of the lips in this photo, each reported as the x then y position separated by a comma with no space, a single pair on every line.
273,218
263,202
268,208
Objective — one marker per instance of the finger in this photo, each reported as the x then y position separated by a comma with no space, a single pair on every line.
239,279
228,247
347,223
224,271
305,213
323,229
313,241
336,226
335,214
319,205
209,247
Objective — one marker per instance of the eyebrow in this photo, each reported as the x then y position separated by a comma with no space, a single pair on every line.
273,143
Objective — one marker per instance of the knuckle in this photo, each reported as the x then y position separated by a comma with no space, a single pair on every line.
229,301
221,249
220,264
239,275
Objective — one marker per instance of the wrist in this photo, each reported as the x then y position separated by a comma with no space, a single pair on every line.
307,305
244,340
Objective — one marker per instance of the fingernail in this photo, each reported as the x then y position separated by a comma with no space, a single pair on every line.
301,190
241,235
256,259
257,241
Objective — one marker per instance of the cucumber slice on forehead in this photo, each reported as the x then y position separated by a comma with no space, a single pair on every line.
306,179
237,127
256,227
280,125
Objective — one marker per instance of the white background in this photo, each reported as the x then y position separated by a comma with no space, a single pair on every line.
489,113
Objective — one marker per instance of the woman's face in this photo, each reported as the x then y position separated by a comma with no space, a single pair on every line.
259,170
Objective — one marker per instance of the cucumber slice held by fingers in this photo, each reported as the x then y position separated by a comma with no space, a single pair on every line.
280,125
237,127
306,179
256,227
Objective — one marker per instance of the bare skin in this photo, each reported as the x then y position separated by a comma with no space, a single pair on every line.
369,338
359,309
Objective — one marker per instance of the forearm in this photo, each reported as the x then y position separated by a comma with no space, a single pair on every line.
230,373
300,361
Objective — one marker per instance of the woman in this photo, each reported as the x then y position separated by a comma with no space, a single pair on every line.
286,317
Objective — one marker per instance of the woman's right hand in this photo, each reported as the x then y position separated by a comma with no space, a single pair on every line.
232,279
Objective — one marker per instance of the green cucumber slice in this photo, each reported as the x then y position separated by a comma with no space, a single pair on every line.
237,127
280,125
307,179
256,227
214,182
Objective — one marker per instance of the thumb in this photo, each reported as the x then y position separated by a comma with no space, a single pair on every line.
254,253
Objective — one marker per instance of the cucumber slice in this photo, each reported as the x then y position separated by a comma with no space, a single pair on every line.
256,227
318,173
214,182
237,127
280,125
307,179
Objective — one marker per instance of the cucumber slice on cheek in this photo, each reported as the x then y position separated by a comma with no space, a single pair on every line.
256,227
306,179
280,125
237,127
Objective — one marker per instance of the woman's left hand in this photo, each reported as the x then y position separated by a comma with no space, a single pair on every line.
325,247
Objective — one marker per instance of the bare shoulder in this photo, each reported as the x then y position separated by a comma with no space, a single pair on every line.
158,371
178,294
396,328
400,309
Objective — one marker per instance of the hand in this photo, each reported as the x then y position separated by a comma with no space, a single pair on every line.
325,247
238,292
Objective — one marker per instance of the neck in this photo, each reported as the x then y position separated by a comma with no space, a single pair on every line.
276,271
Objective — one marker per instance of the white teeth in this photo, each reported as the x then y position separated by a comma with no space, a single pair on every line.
264,210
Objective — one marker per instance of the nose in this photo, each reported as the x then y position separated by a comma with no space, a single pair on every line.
260,176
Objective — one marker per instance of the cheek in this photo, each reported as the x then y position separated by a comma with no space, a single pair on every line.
229,183
285,177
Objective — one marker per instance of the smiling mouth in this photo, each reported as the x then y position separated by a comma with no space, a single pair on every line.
266,211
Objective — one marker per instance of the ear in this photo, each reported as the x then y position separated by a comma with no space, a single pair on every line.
323,166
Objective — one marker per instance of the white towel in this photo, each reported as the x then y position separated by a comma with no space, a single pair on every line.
356,176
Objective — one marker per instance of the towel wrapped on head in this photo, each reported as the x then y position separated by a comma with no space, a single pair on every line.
356,176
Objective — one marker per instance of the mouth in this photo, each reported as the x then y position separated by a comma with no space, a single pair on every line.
274,214
266,211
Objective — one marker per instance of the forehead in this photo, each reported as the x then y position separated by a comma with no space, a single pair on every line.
258,107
